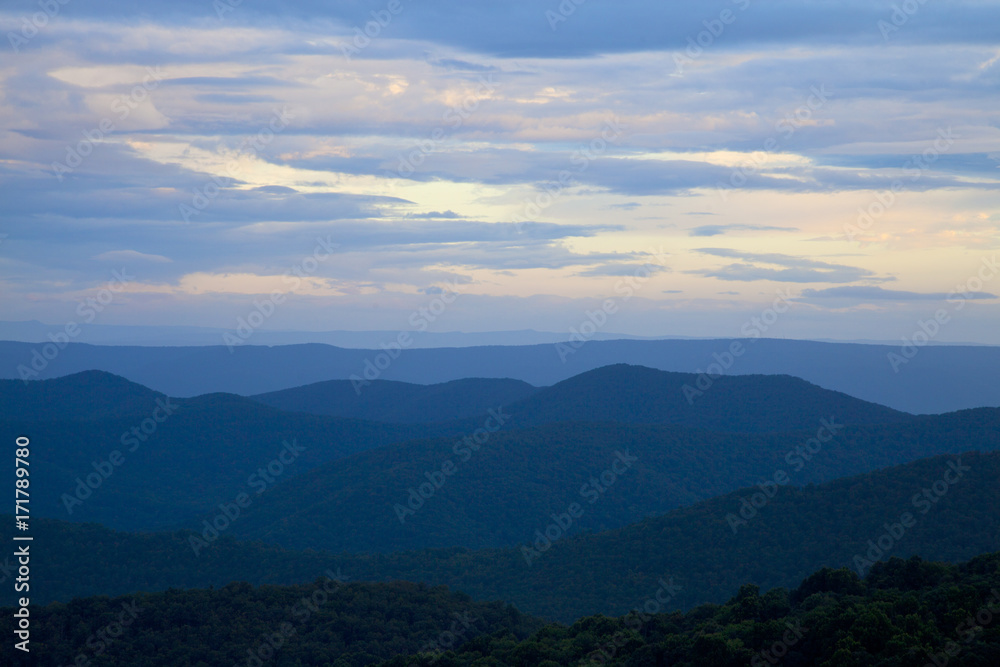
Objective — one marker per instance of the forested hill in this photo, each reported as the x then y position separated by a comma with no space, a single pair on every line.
618,393
104,449
707,549
449,492
904,614
751,403
400,402
87,396
331,621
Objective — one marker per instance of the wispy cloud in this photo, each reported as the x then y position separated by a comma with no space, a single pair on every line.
861,293
718,230
760,266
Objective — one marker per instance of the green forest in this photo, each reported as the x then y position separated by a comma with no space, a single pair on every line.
904,613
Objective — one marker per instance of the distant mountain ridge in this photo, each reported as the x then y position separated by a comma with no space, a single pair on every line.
938,379
105,449
112,334
90,395
747,403
620,393
213,448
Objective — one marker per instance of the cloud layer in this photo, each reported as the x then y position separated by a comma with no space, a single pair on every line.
538,153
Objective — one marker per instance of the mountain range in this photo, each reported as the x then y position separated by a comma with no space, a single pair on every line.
734,500
930,379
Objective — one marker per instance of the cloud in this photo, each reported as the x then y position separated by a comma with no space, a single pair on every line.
275,189
792,269
528,28
333,172
623,269
716,230
130,256
435,215
455,64
874,293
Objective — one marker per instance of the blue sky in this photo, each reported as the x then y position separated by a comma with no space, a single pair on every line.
690,161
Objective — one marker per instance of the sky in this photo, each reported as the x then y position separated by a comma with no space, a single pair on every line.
655,168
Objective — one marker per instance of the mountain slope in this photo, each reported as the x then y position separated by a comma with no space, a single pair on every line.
637,394
89,395
111,451
151,462
618,393
796,532
399,402
444,493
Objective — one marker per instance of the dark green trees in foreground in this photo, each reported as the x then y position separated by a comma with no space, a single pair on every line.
906,613
329,622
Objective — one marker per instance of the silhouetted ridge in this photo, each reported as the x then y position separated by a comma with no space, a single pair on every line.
88,395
